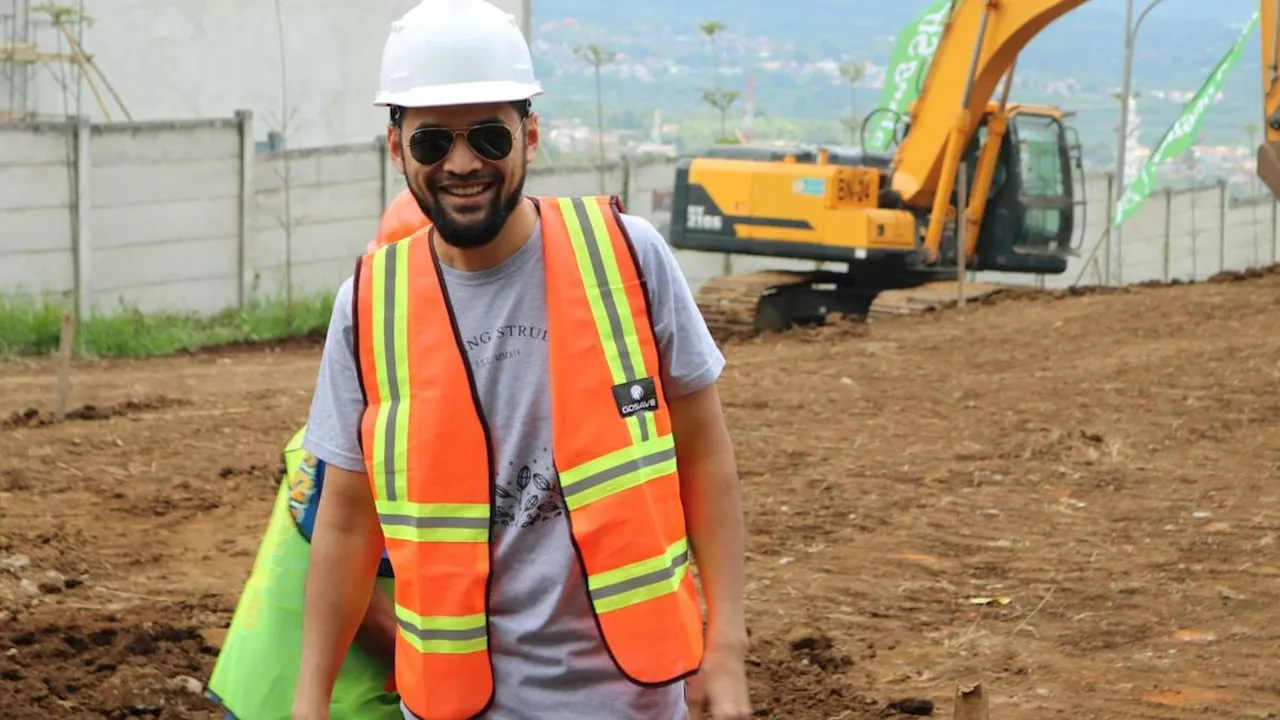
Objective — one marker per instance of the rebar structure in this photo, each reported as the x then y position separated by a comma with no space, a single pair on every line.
45,42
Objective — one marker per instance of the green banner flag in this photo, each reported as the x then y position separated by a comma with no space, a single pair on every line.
905,73
1180,136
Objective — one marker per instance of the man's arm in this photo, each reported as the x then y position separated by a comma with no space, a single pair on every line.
345,550
691,363
713,512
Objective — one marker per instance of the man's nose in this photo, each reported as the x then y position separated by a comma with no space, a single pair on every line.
461,158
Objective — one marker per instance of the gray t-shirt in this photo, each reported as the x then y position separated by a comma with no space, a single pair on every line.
548,657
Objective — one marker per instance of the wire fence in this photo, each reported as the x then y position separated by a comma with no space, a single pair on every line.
1181,234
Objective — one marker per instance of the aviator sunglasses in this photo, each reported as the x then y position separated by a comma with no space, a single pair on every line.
491,141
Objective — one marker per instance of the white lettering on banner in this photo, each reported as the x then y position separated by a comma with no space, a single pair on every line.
919,50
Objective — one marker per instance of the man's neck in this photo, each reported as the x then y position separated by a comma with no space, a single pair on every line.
514,234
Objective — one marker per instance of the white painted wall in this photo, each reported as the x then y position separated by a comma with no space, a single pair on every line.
195,59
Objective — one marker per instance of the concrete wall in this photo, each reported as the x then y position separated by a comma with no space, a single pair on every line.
37,200
164,216
193,59
188,216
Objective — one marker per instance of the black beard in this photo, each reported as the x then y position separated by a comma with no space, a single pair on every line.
469,234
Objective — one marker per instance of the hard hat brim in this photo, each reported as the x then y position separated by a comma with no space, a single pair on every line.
459,94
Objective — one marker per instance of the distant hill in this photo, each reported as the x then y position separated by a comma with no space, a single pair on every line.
1177,46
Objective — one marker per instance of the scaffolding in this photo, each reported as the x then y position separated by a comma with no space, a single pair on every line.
42,46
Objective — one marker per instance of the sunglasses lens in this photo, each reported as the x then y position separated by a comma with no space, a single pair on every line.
491,142
431,145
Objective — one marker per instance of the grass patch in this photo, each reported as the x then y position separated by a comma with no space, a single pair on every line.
30,326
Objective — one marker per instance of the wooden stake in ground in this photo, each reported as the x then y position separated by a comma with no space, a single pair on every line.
64,366
971,703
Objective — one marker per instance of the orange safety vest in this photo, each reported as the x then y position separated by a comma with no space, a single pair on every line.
429,456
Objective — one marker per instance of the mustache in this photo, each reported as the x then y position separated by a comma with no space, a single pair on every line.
470,178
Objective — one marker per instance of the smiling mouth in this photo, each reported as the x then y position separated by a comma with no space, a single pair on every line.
465,191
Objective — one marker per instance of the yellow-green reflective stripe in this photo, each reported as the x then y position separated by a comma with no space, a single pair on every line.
391,359
613,278
595,297
576,474
617,471
378,278
624,330
442,634
434,522
640,581
607,300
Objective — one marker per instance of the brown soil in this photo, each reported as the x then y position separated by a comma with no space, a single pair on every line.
1069,497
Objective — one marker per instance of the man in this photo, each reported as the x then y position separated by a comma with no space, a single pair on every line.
520,401
256,671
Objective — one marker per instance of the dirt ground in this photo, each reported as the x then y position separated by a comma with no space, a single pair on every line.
1072,499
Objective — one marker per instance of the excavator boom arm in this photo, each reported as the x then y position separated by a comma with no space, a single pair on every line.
1268,167
1269,30
978,47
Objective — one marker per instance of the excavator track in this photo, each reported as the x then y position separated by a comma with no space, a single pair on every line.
728,303
733,309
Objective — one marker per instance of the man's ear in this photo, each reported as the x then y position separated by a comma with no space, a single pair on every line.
395,147
531,137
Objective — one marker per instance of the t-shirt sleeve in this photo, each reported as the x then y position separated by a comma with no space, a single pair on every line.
690,358
333,424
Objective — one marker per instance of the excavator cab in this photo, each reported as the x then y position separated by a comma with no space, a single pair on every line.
1029,219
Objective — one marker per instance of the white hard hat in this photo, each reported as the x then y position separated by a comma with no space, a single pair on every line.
455,52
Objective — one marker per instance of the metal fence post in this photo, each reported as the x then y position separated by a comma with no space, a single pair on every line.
247,205
1195,235
1274,202
83,226
1168,230
1222,225
1106,249
1253,212
625,194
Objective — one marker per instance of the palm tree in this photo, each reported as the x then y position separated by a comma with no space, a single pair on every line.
852,73
597,57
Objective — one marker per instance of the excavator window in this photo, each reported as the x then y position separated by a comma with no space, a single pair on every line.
1044,163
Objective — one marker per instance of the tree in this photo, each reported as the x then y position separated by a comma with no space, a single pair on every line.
597,57
852,73
721,100
711,28
717,97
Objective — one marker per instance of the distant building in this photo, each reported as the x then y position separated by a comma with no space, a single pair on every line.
183,59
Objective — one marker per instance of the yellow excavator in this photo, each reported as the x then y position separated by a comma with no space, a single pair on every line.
891,217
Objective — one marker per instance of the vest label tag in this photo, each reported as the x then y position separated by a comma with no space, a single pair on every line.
635,397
